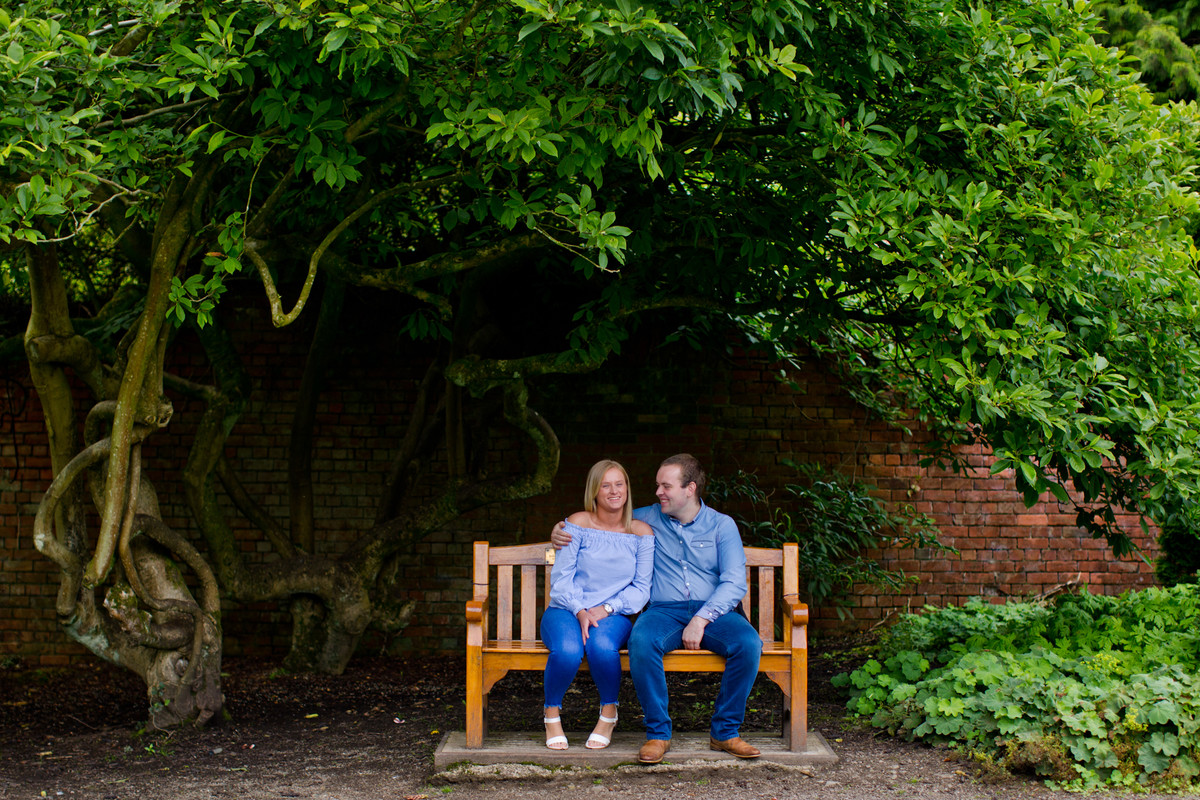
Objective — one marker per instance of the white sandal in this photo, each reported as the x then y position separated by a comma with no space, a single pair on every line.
552,741
597,742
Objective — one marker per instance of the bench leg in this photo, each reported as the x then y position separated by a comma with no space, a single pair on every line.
476,700
795,728
797,719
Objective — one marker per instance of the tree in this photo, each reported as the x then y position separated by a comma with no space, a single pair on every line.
1162,35
978,210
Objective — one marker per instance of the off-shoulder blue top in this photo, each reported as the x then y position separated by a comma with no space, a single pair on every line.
600,567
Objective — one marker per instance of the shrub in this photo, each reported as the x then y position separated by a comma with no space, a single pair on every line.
1179,543
1086,691
836,522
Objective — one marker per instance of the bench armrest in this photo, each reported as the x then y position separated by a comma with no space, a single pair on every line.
477,609
797,612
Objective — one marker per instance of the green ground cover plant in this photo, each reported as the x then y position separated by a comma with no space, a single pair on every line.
1086,690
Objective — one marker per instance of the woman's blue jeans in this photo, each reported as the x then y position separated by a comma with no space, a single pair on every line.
560,634
659,630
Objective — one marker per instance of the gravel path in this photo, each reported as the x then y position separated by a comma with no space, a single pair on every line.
370,735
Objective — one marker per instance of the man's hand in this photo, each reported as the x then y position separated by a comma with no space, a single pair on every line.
693,633
560,539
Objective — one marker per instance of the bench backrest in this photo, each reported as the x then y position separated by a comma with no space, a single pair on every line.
517,578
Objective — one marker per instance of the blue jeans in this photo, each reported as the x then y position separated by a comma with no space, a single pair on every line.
560,634
659,630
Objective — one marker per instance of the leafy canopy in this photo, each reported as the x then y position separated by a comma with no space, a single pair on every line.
976,208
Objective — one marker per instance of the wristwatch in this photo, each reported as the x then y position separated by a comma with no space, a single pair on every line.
608,609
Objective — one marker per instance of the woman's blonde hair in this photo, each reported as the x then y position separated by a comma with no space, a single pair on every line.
592,488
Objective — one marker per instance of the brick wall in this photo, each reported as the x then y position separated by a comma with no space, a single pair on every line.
727,408
749,420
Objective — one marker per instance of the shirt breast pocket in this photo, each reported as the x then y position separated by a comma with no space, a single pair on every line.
704,549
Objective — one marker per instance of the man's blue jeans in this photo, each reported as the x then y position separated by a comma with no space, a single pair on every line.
560,634
659,630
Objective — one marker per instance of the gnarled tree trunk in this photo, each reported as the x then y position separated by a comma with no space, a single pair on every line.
122,593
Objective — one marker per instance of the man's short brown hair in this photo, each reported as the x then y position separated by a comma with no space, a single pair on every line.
689,470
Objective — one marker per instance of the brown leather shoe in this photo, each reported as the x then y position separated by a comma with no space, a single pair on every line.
653,750
734,746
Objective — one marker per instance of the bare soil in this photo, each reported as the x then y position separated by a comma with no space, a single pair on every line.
371,733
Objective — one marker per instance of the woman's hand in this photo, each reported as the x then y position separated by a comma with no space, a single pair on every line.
590,618
585,622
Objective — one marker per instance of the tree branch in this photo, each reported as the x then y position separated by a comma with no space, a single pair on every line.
480,375
74,351
378,112
158,112
278,317
300,490
254,512
404,278
419,434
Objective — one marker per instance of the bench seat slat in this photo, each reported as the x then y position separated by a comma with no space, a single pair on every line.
524,656
536,646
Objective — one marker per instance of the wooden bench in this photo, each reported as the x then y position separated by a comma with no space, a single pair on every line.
498,602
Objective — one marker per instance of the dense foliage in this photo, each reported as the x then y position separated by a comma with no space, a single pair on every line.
1087,690
841,528
1178,559
1162,37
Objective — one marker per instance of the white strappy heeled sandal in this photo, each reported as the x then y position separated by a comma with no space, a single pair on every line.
597,742
553,742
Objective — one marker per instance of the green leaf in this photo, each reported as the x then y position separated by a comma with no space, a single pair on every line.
1151,760
528,29
335,39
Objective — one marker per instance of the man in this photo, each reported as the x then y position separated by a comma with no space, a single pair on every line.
699,578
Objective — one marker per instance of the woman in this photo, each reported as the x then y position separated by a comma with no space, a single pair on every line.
597,581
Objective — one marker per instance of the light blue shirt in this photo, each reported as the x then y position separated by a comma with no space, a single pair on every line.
600,567
702,560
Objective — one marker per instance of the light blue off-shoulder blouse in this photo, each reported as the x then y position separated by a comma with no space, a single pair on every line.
600,567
